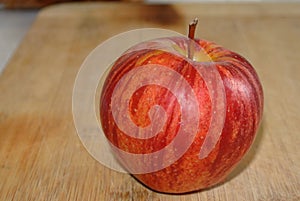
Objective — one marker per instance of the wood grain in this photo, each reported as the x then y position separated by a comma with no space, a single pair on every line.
41,157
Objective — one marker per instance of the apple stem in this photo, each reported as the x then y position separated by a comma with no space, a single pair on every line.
192,29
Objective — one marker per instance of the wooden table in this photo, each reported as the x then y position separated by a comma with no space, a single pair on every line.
41,156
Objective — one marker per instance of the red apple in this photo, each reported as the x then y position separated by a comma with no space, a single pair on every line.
180,113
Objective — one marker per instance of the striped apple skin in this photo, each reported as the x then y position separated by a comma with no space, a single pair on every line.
244,108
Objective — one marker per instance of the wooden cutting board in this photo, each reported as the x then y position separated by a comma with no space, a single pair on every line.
41,156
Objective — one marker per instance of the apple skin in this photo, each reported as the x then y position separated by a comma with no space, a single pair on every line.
243,114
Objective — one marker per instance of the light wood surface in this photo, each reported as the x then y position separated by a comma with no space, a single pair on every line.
41,156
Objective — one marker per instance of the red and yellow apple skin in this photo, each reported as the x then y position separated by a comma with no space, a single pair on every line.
243,112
